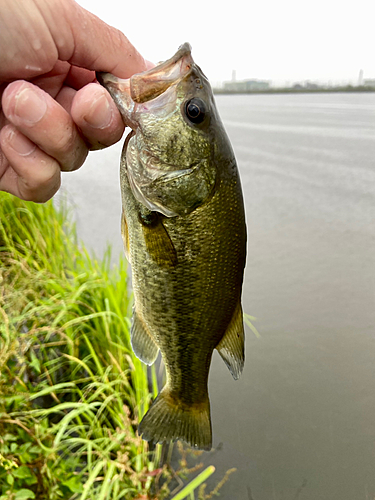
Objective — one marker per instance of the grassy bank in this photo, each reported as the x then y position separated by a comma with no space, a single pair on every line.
71,390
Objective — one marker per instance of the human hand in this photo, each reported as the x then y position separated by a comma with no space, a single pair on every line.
52,113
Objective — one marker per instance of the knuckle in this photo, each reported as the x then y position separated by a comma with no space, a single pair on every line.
44,183
64,143
75,158
70,149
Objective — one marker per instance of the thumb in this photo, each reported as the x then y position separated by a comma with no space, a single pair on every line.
35,34
100,47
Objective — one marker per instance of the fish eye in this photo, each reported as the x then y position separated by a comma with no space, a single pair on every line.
195,110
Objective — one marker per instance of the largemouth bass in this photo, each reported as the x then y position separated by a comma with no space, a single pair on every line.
184,233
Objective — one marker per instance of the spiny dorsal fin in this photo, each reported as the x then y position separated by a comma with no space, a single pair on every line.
159,244
232,346
143,344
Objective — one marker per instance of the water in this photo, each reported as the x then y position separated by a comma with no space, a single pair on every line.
300,423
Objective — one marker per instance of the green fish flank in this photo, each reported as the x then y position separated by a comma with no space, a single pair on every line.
184,233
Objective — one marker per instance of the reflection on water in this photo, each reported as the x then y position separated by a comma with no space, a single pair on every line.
300,423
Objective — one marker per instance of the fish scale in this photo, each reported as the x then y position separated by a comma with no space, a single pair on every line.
185,237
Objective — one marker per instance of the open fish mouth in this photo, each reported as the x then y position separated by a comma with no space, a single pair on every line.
158,161
135,93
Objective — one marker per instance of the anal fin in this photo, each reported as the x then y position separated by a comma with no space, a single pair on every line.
232,346
143,344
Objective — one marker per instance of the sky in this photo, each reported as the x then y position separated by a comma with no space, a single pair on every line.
283,41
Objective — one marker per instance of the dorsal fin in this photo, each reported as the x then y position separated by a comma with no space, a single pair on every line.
232,346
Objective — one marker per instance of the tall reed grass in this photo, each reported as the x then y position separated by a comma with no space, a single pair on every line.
71,389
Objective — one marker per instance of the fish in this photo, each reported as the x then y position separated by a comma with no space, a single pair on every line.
184,232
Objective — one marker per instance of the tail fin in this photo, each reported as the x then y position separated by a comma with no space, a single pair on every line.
167,420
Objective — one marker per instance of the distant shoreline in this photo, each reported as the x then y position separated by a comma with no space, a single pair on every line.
290,90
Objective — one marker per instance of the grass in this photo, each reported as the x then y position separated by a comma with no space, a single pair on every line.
71,389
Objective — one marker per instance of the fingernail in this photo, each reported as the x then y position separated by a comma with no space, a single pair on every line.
30,106
20,143
100,113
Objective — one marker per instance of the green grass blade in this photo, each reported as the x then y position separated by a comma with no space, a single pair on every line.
193,485
248,321
107,482
92,477
54,388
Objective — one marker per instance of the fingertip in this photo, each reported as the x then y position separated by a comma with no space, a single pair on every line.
31,175
103,47
100,111
10,137
43,191
97,116
45,122
24,104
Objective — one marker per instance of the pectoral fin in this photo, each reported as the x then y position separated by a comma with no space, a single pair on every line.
143,344
159,244
232,346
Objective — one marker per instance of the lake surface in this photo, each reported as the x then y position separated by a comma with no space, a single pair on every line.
300,423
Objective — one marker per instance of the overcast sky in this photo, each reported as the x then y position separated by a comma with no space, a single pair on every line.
278,40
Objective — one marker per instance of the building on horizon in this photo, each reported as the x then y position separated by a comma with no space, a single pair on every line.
369,82
307,85
246,85
360,78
